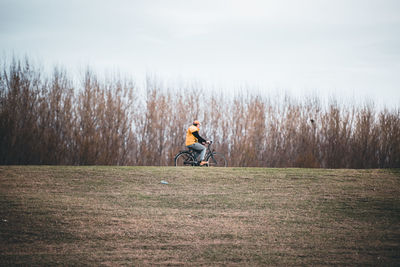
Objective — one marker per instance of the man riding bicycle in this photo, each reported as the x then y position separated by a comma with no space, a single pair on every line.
196,142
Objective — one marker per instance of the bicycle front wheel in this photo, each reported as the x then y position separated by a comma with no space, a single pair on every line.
216,160
184,159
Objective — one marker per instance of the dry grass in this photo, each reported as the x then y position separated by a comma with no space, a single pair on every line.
230,216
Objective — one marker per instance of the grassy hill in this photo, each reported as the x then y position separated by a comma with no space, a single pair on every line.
203,216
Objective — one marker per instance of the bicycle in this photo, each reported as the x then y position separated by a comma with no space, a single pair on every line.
187,158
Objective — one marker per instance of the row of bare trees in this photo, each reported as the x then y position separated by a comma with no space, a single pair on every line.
51,119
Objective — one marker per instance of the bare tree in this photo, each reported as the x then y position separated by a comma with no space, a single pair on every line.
51,120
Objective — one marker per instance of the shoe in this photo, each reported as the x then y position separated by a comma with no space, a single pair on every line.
204,163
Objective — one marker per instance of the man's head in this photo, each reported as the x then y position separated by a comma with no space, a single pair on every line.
196,123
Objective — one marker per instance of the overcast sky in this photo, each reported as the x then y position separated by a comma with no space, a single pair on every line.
347,48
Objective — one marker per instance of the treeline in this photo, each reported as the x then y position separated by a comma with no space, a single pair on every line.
52,119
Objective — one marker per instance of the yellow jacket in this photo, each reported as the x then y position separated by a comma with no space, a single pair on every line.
190,138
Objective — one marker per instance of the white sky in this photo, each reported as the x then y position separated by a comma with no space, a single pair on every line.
344,48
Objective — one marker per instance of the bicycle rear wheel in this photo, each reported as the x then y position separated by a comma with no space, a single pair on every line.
184,159
216,160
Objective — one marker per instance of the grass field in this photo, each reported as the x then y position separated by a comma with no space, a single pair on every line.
203,216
